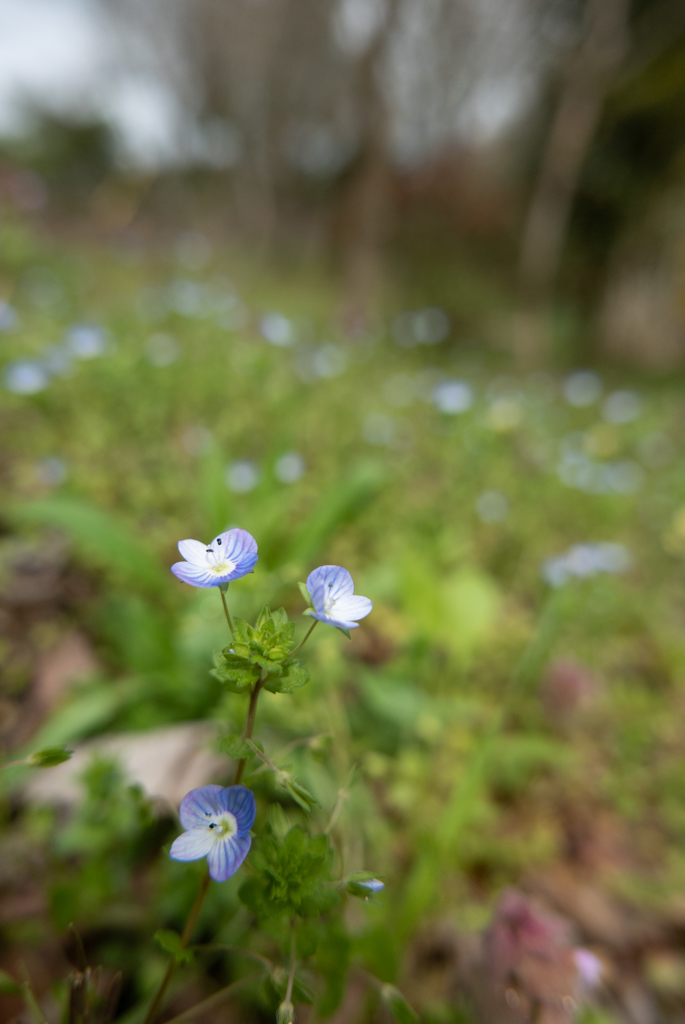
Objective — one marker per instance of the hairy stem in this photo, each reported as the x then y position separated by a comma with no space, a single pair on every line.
249,726
226,611
185,939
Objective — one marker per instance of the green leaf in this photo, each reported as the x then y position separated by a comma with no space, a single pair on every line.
301,796
8,986
293,676
237,674
345,632
292,876
305,593
236,747
49,757
398,1005
171,942
263,617
280,618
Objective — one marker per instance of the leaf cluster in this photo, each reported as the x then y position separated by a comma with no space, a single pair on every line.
292,876
261,651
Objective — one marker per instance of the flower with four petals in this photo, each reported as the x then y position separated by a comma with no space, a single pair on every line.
334,601
218,820
228,557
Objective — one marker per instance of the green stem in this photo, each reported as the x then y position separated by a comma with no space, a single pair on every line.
249,726
185,939
226,611
291,974
306,637
265,759
208,1004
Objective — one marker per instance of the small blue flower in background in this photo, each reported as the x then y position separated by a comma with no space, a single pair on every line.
372,884
218,820
86,341
583,561
228,557
26,377
331,589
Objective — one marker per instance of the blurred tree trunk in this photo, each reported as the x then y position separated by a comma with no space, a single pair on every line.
588,79
366,206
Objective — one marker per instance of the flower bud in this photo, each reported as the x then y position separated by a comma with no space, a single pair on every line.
286,1013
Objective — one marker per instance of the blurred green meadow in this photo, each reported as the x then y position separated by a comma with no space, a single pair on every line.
499,719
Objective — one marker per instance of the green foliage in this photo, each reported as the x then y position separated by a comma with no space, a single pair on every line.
292,876
101,538
237,674
261,651
236,747
293,675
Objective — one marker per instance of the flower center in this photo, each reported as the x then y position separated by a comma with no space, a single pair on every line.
223,825
328,601
218,563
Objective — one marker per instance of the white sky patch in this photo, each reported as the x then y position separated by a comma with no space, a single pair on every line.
51,51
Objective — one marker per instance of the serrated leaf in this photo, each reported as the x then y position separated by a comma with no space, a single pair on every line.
8,986
236,673
242,631
400,1009
280,617
292,876
294,675
170,941
267,664
305,593
236,747
263,617
49,757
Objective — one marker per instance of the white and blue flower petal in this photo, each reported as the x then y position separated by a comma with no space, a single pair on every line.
334,578
230,556
200,805
240,801
192,845
331,590
218,820
226,856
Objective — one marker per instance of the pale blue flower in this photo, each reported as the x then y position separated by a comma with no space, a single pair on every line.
372,884
218,820
228,557
331,590
583,561
26,377
86,341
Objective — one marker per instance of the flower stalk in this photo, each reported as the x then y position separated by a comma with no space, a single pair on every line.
185,939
